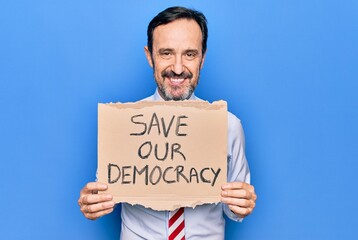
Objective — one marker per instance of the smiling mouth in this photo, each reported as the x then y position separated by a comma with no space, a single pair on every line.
176,81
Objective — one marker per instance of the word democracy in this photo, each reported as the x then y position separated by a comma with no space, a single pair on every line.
154,175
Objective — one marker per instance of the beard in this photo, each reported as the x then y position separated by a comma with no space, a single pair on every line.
167,95
167,91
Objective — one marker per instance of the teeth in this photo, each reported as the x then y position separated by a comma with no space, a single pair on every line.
177,80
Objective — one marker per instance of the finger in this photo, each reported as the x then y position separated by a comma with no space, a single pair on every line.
94,216
240,211
242,193
98,207
238,185
95,198
233,185
93,187
254,196
239,202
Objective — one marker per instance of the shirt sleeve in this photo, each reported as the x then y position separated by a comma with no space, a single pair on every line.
237,166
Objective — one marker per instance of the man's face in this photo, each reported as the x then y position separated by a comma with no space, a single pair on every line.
176,58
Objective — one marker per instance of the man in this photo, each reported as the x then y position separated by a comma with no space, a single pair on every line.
176,51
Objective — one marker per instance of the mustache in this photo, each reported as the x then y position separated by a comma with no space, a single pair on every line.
171,74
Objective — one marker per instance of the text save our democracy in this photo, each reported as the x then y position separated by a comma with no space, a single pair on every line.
155,174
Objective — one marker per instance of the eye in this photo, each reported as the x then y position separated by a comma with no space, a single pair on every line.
166,54
191,55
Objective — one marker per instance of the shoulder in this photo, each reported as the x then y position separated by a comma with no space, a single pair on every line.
150,98
235,129
233,121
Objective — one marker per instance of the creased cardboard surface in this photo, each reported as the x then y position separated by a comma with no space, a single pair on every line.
163,155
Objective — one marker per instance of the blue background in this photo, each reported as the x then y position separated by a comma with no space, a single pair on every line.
288,69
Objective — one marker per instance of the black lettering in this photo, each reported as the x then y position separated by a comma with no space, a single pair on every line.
179,124
216,174
140,150
165,173
142,123
156,152
203,179
143,170
194,173
154,122
110,180
125,174
166,131
175,148
152,173
179,169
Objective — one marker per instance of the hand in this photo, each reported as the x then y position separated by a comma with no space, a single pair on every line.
240,197
94,205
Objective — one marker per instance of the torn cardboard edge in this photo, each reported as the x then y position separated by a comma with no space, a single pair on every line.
163,204
201,104
201,136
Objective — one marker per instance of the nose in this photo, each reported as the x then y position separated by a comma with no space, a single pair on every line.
178,67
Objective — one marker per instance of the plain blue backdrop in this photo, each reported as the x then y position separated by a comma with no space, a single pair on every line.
288,69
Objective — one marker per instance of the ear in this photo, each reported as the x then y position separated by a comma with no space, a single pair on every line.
203,60
148,56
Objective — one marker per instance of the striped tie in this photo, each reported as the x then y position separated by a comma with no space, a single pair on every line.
176,225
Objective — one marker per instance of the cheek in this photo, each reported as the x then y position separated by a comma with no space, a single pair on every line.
157,71
195,67
159,68
196,70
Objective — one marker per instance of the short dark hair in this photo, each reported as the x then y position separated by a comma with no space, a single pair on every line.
174,13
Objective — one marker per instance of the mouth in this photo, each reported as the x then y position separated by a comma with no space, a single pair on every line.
176,81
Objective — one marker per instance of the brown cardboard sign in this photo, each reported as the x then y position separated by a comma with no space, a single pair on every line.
163,155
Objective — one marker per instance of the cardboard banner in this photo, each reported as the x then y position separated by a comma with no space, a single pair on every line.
163,155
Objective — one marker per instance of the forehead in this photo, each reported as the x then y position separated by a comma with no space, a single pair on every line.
182,33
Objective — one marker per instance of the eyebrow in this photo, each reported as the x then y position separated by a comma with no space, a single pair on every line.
162,50
195,51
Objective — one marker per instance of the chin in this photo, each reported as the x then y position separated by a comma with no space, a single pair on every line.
176,94
177,97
